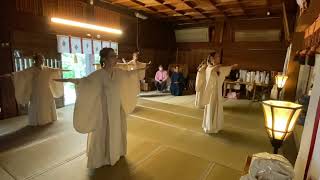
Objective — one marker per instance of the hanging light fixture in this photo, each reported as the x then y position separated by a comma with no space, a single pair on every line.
280,82
280,119
85,25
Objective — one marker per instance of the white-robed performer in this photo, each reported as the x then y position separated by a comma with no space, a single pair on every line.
135,63
134,84
35,86
215,75
200,84
102,104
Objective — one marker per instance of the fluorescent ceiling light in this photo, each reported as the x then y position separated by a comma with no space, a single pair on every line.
85,25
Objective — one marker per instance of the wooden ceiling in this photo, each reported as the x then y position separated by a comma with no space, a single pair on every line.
193,11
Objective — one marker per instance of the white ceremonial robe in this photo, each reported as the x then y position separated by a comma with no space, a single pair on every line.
36,87
103,102
200,86
134,82
213,100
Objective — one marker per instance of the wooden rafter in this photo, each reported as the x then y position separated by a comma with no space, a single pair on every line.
194,10
243,7
145,6
163,2
214,4
199,10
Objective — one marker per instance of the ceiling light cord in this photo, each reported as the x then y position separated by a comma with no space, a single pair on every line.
138,34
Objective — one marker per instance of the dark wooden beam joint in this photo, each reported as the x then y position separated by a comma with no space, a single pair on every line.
163,2
243,7
193,6
214,4
148,7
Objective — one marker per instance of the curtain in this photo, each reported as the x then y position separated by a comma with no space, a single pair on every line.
76,45
87,46
63,44
106,44
96,46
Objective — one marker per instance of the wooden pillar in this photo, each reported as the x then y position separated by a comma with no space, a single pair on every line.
293,68
7,100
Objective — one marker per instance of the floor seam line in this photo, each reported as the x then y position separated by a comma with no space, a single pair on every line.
31,144
194,117
151,154
166,124
207,171
55,165
8,172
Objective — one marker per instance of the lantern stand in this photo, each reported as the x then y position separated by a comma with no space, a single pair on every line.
276,144
279,91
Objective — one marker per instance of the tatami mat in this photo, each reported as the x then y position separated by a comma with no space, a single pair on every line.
171,164
36,158
4,175
165,141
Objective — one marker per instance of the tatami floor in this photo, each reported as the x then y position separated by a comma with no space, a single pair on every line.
165,142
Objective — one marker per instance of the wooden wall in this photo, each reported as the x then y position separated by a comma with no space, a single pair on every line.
156,42
25,26
249,55
303,22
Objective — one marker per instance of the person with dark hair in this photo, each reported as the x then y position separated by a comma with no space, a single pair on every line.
215,75
200,80
35,86
135,64
161,78
177,82
101,108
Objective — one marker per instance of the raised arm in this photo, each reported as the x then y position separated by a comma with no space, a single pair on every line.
71,80
235,66
61,70
6,75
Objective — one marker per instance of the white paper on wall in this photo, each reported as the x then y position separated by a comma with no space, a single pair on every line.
87,46
96,46
106,44
63,44
76,45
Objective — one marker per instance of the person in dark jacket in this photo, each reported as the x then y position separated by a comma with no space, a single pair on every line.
177,82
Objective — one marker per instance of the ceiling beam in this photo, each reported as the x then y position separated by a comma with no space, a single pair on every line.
243,7
221,10
148,7
199,10
171,7
142,5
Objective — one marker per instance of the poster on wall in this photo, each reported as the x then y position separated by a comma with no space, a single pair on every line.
87,46
76,45
63,44
106,44
114,46
96,46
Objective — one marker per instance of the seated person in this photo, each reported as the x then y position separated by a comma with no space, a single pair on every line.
177,82
161,78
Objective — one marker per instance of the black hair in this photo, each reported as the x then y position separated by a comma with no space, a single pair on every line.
136,51
212,54
36,56
104,52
